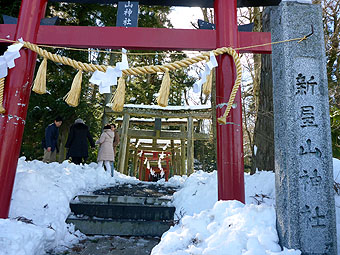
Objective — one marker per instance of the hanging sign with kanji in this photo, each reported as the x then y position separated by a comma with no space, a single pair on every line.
127,15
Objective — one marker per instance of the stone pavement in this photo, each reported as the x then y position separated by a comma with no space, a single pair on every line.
113,245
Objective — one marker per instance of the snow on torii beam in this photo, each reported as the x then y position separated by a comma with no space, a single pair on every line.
139,38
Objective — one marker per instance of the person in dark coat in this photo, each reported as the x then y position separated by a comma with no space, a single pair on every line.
77,142
49,143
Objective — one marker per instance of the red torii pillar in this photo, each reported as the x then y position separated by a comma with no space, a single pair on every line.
18,82
230,163
16,97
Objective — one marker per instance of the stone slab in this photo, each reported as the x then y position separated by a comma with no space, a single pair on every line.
112,199
138,190
123,211
119,227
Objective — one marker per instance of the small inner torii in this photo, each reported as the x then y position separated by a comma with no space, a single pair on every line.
162,136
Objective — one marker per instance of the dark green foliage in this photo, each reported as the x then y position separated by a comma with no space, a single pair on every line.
142,89
44,108
139,90
205,156
10,7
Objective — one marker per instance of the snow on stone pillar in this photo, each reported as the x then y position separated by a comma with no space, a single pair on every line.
303,149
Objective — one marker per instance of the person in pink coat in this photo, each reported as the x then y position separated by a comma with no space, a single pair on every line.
105,153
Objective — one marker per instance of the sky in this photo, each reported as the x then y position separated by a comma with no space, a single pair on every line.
40,206
182,16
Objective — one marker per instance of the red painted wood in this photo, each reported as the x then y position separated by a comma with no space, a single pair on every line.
138,38
16,97
230,164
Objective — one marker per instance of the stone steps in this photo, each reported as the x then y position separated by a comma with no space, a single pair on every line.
121,215
122,199
123,211
115,227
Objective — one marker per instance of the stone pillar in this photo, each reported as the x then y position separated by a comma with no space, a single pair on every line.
303,149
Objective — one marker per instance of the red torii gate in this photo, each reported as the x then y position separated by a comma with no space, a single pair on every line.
19,80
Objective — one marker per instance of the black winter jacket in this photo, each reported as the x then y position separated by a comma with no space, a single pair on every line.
51,137
77,141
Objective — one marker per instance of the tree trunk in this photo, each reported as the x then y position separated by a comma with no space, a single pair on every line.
263,156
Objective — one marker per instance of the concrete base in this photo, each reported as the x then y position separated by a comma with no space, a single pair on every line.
90,226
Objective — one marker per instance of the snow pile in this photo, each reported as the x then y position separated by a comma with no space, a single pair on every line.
208,226
211,227
199,193
41,198
17,237
260,188
40,206
229,228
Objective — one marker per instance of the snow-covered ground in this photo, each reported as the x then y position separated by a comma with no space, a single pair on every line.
40,205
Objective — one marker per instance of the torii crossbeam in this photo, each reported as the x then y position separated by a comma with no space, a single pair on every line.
19,80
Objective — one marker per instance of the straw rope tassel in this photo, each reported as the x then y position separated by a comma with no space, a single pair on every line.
164,91
72,97
207,85
2,86
40,79
118,99
236,58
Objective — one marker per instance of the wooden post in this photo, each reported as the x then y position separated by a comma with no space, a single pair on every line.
183,166
107,97
123,143
178,162
172,158
135,161
167,173
127,156
190,144
141,162
174,163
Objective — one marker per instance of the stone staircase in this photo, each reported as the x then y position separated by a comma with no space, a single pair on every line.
126,210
